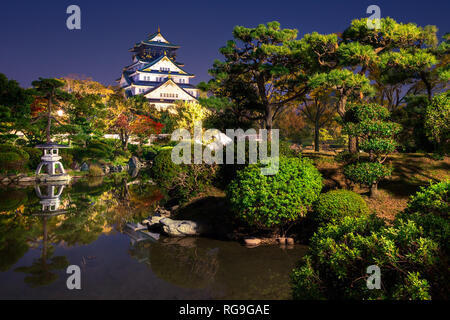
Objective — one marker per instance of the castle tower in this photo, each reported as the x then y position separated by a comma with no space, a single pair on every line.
156,74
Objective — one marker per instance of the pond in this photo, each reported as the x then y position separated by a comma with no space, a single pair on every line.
46,228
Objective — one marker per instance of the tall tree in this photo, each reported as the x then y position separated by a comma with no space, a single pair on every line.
259,74
318,109
404,55
15,108
50,89
348,86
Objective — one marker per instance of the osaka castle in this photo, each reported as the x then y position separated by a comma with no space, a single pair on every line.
156,74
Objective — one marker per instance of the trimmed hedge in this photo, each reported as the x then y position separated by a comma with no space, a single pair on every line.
275,200
336,204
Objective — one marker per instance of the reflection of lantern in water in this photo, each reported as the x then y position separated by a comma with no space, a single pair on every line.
50,198
42,271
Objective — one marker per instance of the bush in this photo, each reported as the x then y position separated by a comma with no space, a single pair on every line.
97,149
286,150
95,170
368,173
334,205
336,265
276,200
12,159
183,180
34,157
150,152
164,170
429,208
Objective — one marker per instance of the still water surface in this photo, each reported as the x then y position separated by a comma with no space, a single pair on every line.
42,232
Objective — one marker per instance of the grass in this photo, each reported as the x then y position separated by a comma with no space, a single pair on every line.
411,171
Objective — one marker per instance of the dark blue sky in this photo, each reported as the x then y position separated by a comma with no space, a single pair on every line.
36,43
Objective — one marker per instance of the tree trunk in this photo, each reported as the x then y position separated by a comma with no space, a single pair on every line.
427,86
49,119
352,144
123,139
316,137
269,122
373,193
341,106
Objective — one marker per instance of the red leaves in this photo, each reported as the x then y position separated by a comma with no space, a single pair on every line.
144,125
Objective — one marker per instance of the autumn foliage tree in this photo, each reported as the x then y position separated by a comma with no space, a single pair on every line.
143,126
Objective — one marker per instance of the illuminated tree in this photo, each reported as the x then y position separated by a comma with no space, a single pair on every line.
258,74
51,90
369,122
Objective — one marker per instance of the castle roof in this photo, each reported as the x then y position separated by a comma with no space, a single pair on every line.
155,40
179,85
151,63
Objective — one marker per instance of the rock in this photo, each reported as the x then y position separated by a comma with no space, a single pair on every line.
281,240
134,163
84,167
133,172
75,166
290,241
106,169
181,228
252,242
27,179
163,212
152,220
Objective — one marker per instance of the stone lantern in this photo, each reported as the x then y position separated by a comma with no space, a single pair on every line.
51,160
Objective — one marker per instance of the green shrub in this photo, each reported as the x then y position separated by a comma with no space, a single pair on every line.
164,170
150,152
286,150
66,158
432,200
336,264
11,148
336,204
183,180
95,170
368,173
122,153
12,159
78,153
275,200
430,209
34,157
346,157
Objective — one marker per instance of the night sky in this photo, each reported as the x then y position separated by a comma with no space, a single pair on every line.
35,41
